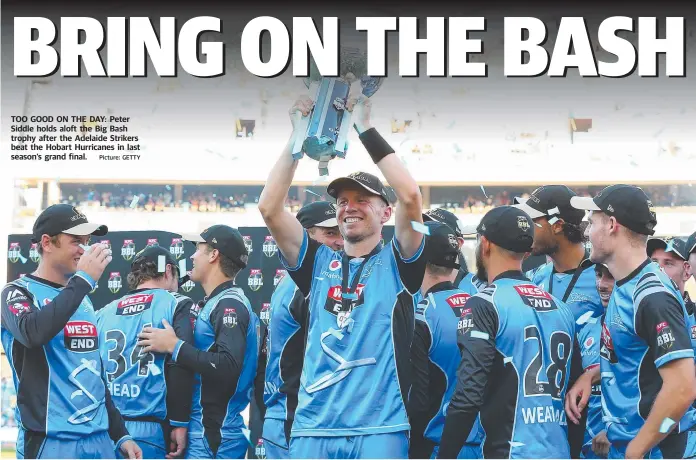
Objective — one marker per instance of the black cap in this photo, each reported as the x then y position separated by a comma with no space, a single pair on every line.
153,254
691,244
627,203
675,245
508,227
318,214
365,180
64,218
225,239
442,246
551,201
445,217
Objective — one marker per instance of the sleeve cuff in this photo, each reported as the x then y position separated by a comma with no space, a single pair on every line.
415,256
177,347
674,355
122,440
176,424
87,278
300,257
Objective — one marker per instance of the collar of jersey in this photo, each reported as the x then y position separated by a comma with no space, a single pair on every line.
634,273
44,282
439,287
226,285
511,274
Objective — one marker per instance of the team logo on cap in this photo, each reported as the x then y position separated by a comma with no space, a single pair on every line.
34,253
280,273
152,242
115,282
523,223
229,318
265,314
248,244
260,450
80,336
270,247
177,248
188,285
14,253
255,279
128,249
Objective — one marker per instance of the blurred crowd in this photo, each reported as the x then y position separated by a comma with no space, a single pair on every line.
8,402
235,198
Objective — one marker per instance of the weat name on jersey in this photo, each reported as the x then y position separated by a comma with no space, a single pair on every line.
543,414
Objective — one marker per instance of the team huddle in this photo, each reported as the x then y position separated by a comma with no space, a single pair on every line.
373,349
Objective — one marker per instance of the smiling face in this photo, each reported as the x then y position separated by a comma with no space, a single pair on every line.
63,251
605,283
360,214
675,267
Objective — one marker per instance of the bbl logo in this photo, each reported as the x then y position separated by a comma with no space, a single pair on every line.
260,450
177,248
229,318
115,282
152,242
34,253
188,285
14,253
106,243
248,244
270,247
255,279
128,249
266,313
279,276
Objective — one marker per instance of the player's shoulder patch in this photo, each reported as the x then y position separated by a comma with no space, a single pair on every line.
650,283
535,297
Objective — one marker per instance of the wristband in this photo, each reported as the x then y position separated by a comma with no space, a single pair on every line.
87,278
375,145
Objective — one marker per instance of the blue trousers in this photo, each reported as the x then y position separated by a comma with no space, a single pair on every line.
388,445
274,440
37,445
149,437
231,447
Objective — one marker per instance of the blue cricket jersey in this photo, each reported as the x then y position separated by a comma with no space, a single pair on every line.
285,344
224,356
355,376
516,346
434,358
146,386
50,336
645,327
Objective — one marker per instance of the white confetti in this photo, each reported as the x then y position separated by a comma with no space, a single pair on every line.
161,264
22,258
154,369
134,203
666,425
313,193
84,247
484,192
553,211
420,228
553,220
585,317
507,360
247,434
182,267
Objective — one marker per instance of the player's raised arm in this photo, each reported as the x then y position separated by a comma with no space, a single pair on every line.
284,227
410,201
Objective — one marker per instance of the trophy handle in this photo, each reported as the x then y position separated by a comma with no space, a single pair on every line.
342,139
302,123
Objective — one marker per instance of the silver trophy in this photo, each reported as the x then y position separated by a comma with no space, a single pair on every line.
324,132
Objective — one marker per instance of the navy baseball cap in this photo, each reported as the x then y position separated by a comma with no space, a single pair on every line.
508,227
442,246
225,239
627,203
445,217
691,244
318,214
551,201
64,218
363,180
675,245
